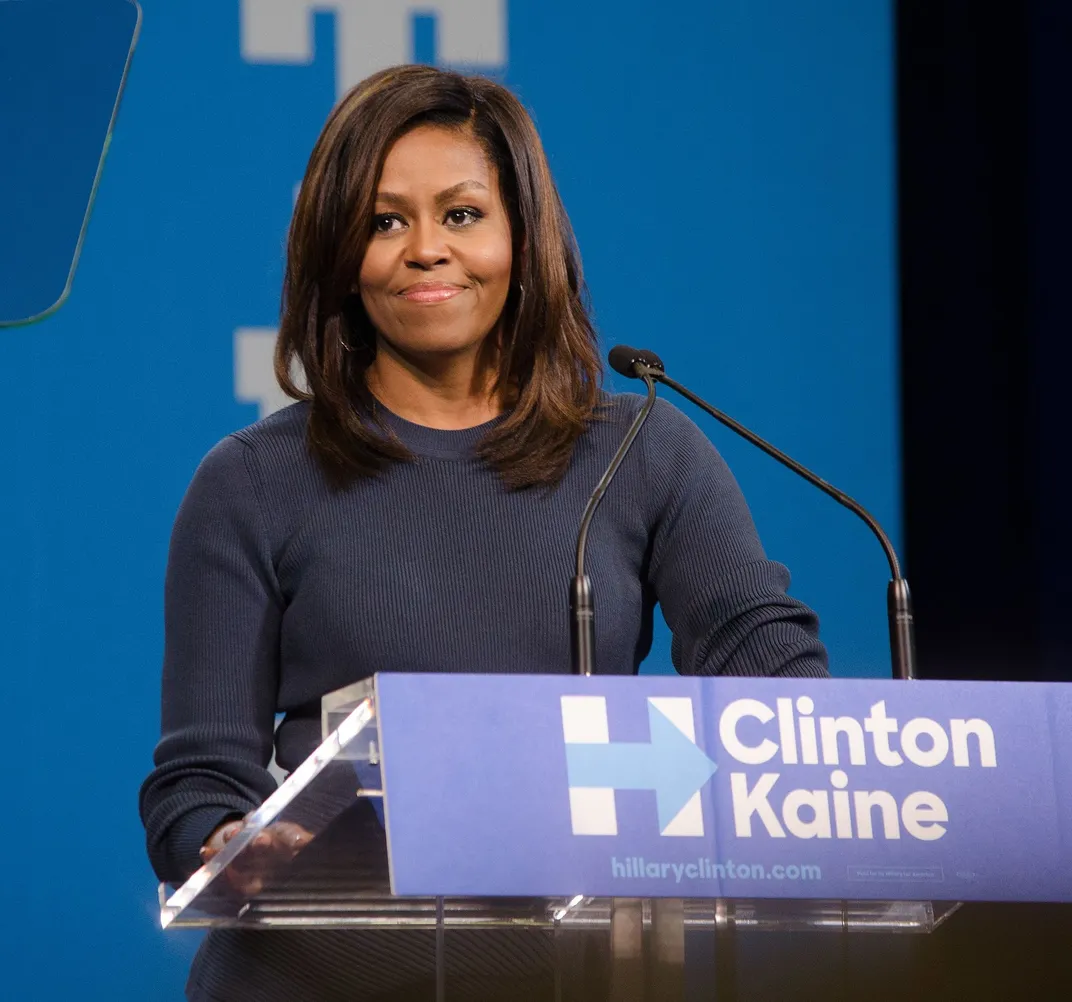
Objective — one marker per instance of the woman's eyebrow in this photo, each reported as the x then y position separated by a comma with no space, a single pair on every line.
390,198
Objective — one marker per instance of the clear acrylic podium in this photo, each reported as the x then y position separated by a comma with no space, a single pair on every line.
314,856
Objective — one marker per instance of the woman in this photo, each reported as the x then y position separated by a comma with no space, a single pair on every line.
417,509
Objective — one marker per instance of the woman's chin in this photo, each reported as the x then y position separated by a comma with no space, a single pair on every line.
437,345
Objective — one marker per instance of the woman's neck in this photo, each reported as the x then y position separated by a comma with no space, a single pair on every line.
445,393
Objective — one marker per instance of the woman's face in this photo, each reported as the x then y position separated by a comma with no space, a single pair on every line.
437,270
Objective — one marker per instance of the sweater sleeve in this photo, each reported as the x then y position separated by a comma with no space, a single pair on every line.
222,610
726,604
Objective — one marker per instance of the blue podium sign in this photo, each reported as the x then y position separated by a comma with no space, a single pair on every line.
686,787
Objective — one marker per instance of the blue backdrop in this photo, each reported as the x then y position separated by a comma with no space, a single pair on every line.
728,168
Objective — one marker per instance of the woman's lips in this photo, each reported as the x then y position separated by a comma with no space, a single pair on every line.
431,292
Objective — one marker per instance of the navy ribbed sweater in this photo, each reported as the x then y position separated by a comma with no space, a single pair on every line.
280,589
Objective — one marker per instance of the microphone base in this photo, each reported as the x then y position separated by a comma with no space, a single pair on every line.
902,629
582,626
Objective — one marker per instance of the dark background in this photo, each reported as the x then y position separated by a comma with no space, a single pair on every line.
985,164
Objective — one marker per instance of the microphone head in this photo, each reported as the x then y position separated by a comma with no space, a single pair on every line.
624,360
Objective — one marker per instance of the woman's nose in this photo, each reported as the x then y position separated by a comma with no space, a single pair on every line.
427,245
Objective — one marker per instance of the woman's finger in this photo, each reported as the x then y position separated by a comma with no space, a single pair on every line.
231,830
291,836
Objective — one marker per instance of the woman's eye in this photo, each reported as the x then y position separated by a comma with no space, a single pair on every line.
386,223
464,217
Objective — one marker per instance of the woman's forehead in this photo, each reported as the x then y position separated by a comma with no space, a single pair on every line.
440,151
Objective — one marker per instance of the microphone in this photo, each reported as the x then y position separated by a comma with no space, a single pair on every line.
632,362
639,364
582,603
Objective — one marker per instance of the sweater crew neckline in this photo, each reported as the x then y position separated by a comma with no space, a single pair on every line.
436,443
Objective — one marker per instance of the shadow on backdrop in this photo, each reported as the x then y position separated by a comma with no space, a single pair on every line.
63,64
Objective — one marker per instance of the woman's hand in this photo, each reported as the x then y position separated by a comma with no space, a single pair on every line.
271,848
219,838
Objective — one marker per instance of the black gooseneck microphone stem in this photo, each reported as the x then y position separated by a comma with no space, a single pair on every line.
898,599
582,605
770,450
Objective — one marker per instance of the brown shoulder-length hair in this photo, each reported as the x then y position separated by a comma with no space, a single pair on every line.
548,363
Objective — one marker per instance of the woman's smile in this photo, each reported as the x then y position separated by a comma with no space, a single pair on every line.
431,293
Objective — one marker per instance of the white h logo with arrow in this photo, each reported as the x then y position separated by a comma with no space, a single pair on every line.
374,34
670,763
